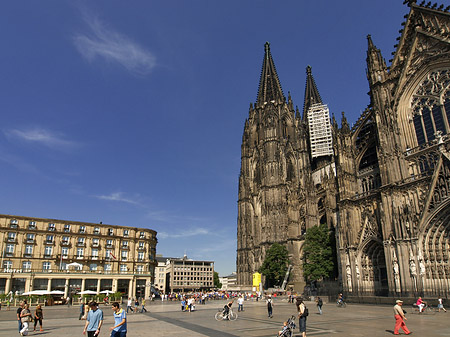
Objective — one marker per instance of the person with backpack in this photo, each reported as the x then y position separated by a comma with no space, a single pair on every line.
302,314
319,304
269,302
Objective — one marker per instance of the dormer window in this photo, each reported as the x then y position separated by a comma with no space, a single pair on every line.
14,223
66,228
96,230
51,227
141,235
110,231
32,225
82,229
126,232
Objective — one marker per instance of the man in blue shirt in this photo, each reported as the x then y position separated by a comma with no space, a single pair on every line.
94,320
120,321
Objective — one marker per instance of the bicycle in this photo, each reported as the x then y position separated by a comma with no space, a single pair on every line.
232,316
427,309
341,304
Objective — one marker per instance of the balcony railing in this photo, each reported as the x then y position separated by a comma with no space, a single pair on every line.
72,271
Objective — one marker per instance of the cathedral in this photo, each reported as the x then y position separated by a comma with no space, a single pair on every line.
382,186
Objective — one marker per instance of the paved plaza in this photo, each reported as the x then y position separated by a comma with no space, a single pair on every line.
166,319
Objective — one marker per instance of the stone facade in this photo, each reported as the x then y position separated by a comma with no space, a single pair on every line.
71,256
385,191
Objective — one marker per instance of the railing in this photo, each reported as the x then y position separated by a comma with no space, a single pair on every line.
71,271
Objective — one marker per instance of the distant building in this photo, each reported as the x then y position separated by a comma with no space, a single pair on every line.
229,282
160,274
72,256
184,275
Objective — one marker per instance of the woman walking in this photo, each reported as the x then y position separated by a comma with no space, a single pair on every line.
301,308
25,317
38,316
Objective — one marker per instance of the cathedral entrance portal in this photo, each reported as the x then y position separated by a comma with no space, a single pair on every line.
373,277
433,258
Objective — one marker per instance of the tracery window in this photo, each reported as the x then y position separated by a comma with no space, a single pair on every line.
431,106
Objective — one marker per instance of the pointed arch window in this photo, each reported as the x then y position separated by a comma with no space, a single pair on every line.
431,106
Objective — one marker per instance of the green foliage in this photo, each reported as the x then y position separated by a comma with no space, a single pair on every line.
318,254
117,295
217,283
275,265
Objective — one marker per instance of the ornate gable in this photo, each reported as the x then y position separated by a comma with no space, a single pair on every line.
425,38
370,229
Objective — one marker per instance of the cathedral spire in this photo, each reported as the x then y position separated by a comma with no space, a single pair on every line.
312,95
269,84
376,65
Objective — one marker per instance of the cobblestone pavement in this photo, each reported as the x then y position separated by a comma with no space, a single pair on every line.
166,319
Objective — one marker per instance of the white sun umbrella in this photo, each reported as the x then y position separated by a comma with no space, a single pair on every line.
107,292
36,292
87,292
56,292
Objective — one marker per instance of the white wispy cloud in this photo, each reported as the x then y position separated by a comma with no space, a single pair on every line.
185,234
51,139
104,42
118,196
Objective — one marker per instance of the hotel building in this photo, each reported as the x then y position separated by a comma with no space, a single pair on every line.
71,256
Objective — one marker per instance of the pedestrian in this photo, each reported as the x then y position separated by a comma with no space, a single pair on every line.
143,306
94,320
241,303
68,301
120,321
136,305
8,304
38,316
441,305
302,314
86,310
129,305
19,311
400,318
269,303
319,304
26,318
81,311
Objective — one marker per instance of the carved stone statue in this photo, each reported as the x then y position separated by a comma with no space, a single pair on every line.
412,268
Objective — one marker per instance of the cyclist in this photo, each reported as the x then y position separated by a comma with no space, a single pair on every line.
340,299
421,303
226,309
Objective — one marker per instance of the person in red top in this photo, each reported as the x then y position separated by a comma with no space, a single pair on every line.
420,303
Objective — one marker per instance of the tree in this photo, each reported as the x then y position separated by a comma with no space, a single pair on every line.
318,254
275,264
217,283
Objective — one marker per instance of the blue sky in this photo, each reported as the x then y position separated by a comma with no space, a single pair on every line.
132,112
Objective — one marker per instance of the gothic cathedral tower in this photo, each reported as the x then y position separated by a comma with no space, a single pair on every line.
275,201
